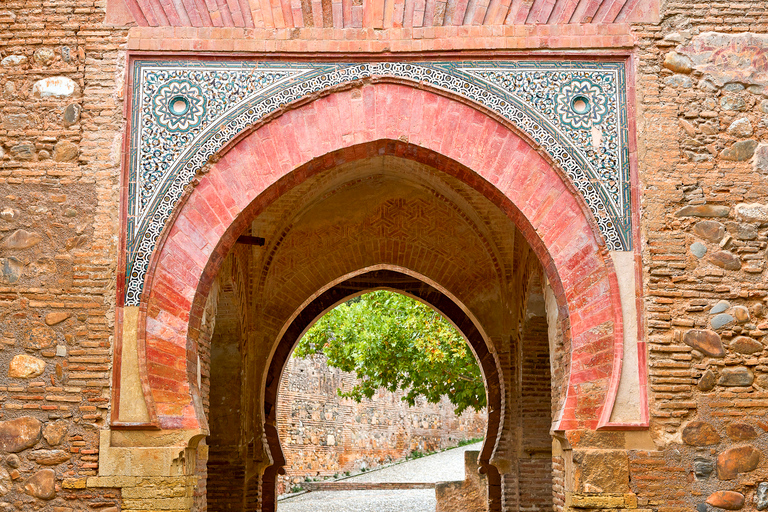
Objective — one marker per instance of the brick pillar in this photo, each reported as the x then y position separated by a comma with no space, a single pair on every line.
535,457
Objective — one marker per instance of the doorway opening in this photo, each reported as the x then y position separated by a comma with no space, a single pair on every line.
381,378
381,223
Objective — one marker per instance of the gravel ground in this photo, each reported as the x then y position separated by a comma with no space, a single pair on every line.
441,467
414,500
445,466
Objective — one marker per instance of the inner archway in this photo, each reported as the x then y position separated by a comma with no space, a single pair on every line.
382,222
413,388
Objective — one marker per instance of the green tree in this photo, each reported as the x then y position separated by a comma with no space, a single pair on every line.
395,342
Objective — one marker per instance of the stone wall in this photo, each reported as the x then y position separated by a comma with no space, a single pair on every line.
324,435
60,132
702,129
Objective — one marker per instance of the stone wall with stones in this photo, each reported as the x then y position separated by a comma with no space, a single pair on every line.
60,132
323,434
703,127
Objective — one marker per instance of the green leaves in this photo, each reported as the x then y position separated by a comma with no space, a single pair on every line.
395,342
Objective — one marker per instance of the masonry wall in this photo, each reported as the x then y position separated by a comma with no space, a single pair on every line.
702,128
324,435
59,168
700,133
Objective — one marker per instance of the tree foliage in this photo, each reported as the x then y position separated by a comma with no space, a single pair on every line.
395,342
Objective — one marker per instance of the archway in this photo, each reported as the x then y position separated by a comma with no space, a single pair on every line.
516,183
401,282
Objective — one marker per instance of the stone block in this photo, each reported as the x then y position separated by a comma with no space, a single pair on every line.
24,366
606,471
700,433
705,341
54,87
741,459
703,210
19,434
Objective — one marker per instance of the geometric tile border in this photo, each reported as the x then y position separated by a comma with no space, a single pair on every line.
184,111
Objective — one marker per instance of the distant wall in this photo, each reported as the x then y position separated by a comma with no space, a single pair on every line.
323,434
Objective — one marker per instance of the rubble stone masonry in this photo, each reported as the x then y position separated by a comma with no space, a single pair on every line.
324,435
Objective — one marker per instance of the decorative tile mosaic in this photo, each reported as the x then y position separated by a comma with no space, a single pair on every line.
185,111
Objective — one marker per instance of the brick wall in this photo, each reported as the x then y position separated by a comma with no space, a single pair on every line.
325,435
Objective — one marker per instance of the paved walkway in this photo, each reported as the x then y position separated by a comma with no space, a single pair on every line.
440,467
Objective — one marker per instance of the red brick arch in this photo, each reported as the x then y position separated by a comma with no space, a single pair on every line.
382,118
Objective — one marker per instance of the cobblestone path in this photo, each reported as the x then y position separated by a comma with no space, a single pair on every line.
441,467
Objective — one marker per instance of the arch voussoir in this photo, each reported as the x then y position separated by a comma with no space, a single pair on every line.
414,123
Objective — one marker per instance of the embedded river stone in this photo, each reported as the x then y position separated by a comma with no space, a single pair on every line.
705,341
703,467
721,320
720,307
698,249
741,314
707,381
5,482
19,434
22,239
49,457
753,212
44,56
71,114
740,151
742,230
678,63
741,432
745,345
39,337
736,377
56,317
733,103
700,433
741,128
703,210
709,230
65,151
54,432
760,160
741,459
728,500
42,484
13,60
726,260
25,367
761,496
